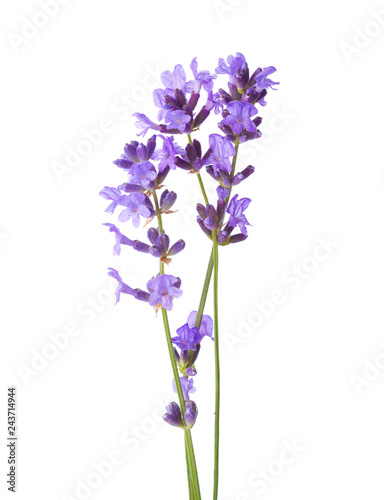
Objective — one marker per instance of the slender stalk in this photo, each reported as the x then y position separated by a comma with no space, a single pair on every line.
189,448
190,484
215,250
217,365
160,223
204,293
195,478
190,456
202,188
234,160
158,211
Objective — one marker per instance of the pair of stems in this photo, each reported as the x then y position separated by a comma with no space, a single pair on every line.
213,264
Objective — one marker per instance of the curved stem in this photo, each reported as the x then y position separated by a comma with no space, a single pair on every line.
191,461
188,437
217,364
204,293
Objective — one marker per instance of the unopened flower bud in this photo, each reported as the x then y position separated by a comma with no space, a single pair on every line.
177,247
173,415
190,414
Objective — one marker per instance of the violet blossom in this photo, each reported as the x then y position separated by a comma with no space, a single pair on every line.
120,238
240,117
187,337
163,289
113,194
221,150
137,204
235,210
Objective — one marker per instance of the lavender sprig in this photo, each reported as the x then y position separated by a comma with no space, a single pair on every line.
180,112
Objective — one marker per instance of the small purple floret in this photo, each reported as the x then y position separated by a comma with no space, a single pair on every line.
221,150
137,204
120,238
187,337
113,194
163,289
206,325
121,287
186,385
240,117
235,210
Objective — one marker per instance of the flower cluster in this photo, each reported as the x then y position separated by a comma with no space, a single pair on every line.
146,166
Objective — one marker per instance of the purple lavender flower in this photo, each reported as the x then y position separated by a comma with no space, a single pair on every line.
233,64
160,101
173,415
188,337
190,414
240,117
176,80
143,173
214,98
144,123
192,158
176,247
137,204
177,120
120,238
186,385
203,78
241,176
167,200
163,290
238,72
113,194
211,217
261,78
168,153
121,287
136,153
160,245
222,193
221,150
206,325
237,218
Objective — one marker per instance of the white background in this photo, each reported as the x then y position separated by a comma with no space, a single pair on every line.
300,375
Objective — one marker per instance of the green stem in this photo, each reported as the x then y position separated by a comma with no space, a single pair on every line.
202,188
234,160
160,223
195,477
191,461
217,364
188,462
188,437
204,293
158,211
215,251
